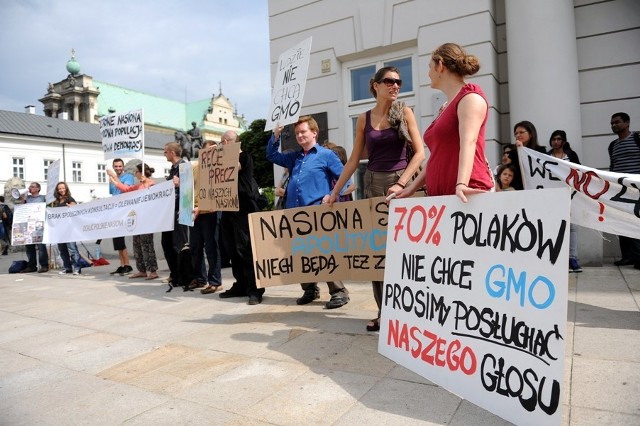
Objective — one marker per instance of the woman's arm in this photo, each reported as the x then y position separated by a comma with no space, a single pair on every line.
472,111
352,163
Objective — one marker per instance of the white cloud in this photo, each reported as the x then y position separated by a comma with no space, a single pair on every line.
165,48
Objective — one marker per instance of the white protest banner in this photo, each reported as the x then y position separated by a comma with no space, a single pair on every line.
475,298
144,211
185,206
319,243
123,135
53,177
600,199
218,178
28,224
289,84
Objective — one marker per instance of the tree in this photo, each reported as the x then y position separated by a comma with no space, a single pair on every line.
254,141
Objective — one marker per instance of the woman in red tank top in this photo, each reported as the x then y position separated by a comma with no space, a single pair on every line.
457,163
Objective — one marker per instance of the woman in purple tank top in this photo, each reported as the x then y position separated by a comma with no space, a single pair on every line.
387,172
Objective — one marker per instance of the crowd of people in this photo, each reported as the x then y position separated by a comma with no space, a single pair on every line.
322,174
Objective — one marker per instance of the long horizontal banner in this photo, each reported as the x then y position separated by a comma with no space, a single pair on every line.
475,298
318,243
602,200
144,211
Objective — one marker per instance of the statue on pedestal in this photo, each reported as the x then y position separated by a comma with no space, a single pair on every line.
196,139
185,143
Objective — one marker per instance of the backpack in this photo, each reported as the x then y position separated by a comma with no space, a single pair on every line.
636,138
18,266
7,215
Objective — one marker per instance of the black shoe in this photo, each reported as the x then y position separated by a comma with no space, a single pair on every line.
337,300
623,262
126,270
117,271
254,299
28,270
234,291
308,297
43,269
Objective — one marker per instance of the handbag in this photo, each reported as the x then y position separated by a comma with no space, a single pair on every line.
397,121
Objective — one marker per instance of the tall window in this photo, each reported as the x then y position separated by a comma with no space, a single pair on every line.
18,167
361,76
102,173
46,164
76,171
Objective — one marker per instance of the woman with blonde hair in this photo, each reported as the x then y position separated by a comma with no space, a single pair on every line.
456,135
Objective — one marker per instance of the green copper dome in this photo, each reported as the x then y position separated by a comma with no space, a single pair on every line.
73,67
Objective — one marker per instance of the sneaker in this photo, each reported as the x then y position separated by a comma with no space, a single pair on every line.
574,266
64,272
308,297
117,271
254,299
337,300
43,269
76,272
126,270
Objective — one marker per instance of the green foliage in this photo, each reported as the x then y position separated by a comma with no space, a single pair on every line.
254,141
269,192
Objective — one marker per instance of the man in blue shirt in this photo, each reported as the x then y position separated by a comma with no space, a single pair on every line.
311,172
118,242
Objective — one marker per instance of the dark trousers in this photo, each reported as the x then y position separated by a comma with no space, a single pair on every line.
234,233
204,240
630,248
172,242
43,256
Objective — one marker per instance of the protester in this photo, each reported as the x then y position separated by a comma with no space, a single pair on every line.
69,252
560,148
506,151
119,244
527,136
173,241
505,177
34,196
204,239
311,171
234,230
143,248
7,221
457,135
624,156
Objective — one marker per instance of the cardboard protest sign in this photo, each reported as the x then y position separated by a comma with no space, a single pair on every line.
318,243
53,177
123,135
602,200
185,206
218,178
28,224
475,298
144,211
289,84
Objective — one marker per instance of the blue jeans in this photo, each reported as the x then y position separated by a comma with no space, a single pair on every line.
43,256
204,240
70,256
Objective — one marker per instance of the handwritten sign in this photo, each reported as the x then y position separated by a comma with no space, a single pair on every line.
602,200
53,177
318,243
28,224
289,85
218,178
123,135
185,207
475,298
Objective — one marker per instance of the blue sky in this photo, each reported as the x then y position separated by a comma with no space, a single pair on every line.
173,49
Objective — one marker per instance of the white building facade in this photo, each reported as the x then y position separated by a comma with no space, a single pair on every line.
560,64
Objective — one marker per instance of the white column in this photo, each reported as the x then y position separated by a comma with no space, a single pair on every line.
543,68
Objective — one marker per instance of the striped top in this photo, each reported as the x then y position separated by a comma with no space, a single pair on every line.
625,155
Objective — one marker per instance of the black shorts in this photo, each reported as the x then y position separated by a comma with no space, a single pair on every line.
118,243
